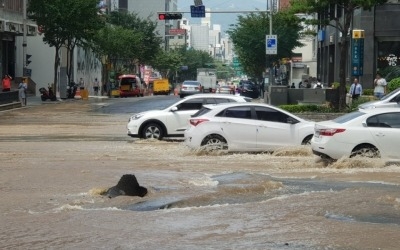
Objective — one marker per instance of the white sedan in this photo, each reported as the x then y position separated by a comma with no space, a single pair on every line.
248,127
367,132
172,121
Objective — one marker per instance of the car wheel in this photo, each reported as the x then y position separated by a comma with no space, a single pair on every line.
152,131
365,151
307,140
214,142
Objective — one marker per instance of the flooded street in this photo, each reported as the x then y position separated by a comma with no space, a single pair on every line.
57,159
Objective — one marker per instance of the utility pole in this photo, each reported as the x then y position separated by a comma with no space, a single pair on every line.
24,43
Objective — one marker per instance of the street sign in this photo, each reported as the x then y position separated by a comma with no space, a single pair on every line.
198,2
197,11
271,44
357,56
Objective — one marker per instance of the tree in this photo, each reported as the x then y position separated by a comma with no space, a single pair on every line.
321,8
167,62
194,59
64,23
248,38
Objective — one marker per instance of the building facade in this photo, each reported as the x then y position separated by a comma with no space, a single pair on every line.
381,48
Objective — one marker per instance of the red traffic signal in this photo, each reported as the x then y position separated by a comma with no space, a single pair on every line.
169,16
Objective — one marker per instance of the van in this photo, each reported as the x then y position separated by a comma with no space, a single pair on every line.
130,85
391,100
161,87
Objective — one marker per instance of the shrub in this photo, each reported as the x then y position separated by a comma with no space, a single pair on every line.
393,84
308,108
368,91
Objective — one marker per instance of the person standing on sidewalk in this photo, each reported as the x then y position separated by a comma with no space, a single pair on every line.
6,83
355,89
96,85
22,88
380,86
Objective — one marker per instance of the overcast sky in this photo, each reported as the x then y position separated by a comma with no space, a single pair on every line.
223,5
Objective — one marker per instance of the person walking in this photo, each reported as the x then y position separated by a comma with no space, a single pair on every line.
96,85
22,87
355,89
6,83
380,86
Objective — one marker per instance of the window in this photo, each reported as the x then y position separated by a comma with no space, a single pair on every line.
271,115
192,104
388,120
237,112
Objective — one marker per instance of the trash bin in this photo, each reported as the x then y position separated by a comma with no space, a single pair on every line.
85,94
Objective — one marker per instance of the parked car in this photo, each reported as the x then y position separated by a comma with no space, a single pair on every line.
190,88
246,127
249,89
388,101
366,132
172,121
226,89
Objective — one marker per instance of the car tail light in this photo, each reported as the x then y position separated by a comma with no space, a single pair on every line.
196,121
331,131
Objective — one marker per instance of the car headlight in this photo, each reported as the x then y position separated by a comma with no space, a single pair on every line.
135,117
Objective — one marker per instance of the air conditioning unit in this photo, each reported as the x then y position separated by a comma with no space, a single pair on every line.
11,27
32,30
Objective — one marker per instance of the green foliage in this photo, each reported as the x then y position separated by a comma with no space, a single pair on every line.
65,23
393,84
355,103
193,59
335,85
368,91
167,63
308,108
248,38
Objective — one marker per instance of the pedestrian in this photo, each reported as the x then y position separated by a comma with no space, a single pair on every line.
355,89
262,89
380,86
22,88
96,85
292,86
6,83
81,84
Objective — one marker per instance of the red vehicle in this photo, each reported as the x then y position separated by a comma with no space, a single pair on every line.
130,85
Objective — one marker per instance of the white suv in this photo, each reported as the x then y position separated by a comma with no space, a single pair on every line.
173,121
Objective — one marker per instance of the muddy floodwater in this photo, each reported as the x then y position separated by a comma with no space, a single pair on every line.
57,159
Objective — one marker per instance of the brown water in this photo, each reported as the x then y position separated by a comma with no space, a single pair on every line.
53,168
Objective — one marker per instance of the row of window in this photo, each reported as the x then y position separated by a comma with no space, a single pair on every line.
13,5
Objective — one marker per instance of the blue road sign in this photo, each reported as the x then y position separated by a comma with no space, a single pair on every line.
197,11
271,44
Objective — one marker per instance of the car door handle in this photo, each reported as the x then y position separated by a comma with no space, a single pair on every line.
380,134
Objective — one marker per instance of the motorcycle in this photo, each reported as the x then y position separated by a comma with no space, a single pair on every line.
47,94
71,89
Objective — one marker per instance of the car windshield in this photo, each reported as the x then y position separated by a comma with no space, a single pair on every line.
191,83
348,117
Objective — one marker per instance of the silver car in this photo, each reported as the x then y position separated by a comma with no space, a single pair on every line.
391,100
190,88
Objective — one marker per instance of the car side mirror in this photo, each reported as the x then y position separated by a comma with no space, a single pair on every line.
174,108
364,124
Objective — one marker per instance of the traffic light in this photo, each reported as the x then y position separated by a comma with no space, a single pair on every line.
169,16
27,61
